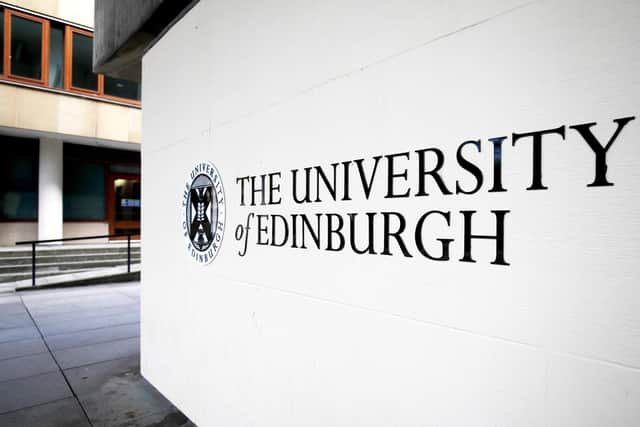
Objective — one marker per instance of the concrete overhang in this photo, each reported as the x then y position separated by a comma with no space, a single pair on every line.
75,139
125,29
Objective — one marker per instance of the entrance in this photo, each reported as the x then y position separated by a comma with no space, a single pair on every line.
123,204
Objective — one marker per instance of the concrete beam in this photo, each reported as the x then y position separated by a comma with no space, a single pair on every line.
124,29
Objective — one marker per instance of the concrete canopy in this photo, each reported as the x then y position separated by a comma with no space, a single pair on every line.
124,29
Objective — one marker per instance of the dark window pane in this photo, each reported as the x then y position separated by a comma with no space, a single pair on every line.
1,38
124,231
127,200
102,155
131,169
18,178
26,48
82,75
84,190
85,180
56,56
121,88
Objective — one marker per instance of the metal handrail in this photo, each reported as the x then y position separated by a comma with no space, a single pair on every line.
33,244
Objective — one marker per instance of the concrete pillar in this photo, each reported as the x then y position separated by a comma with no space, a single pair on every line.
50,189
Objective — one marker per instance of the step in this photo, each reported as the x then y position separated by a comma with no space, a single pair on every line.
12,277
60,260
74,245
26,260
68,265
105,275
74,251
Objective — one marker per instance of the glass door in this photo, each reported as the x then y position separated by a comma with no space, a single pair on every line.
124,205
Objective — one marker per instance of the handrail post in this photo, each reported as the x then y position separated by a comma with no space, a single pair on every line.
33,264
128,253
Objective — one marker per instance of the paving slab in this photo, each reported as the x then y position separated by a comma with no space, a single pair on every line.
71,292
87,314
61,413
31,391
45,310
60,294
79,356
15,320
168,418
132,291
90,378
93,336
114,393
18,334
77,302
27,366
67,326
13,349
12,307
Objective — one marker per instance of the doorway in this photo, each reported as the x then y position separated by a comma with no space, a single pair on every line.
123,205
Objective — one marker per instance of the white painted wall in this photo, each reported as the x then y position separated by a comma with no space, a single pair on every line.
50,175
286,337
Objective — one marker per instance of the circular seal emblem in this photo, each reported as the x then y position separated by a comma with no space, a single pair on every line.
203,207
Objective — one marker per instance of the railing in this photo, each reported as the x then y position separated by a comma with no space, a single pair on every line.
33,244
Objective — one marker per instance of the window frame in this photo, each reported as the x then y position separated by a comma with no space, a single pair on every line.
44,49
68,63
3,11
67,88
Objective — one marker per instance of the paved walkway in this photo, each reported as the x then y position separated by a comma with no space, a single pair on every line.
70,357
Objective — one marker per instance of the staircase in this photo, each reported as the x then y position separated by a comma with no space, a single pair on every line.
65,261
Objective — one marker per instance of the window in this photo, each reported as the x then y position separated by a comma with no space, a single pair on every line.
83,190
121,88
82,75
18,179
56,55
46,53
1,40
86,181
27,36
127,199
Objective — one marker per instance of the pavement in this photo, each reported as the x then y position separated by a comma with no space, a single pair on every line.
71,357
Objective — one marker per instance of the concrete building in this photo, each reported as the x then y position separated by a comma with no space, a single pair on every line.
417,213
70,138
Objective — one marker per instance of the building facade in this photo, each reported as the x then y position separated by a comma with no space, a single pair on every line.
70,138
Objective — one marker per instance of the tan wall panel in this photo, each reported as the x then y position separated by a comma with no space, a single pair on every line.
113,122
77,116
36,110
135,125
68,115
78,11
12,232
48,7
8,105
81,229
